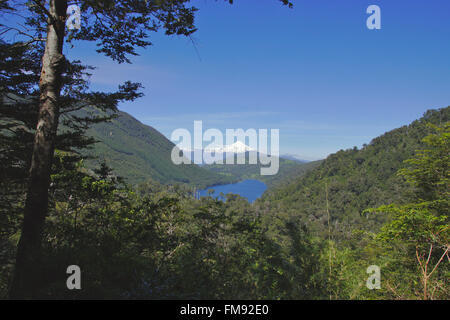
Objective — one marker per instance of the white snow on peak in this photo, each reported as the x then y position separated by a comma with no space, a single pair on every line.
237,147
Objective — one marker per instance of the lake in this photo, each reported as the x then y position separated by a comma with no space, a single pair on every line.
250,189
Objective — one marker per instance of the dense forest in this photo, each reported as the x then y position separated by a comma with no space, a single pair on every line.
357,179
313,235
157,241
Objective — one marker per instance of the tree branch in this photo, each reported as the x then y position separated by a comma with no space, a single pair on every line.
47,13
440,260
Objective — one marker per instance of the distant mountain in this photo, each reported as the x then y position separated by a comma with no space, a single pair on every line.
287,168
236,148
293,157
354,179
138,152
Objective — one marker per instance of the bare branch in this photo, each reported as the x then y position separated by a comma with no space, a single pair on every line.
418,259
437,264
428,259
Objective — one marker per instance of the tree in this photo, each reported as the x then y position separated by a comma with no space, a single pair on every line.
420,229
118,28
428,171
19,112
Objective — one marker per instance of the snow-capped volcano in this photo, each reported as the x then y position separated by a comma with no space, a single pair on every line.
237,147
216,149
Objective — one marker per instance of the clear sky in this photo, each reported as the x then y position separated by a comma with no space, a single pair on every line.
315,71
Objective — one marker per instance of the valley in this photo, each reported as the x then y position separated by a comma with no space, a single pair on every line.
138,152
159,150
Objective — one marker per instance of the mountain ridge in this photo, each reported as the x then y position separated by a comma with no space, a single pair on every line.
138,152
355,179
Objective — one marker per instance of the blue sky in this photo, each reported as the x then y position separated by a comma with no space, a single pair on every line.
315,71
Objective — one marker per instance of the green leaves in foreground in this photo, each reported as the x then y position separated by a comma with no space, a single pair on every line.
417,237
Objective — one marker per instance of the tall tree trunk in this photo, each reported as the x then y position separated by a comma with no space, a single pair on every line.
28,269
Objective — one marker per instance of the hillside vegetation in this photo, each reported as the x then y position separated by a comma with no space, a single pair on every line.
138,152
159,242
355,179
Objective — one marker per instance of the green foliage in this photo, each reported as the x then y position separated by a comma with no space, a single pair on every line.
157,241
121,241
411,248
359,179
138,152
419,231
414,224
429,170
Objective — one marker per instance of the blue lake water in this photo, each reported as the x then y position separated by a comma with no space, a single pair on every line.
250,189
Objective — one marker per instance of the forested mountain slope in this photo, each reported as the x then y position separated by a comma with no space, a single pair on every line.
138,152
354,180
